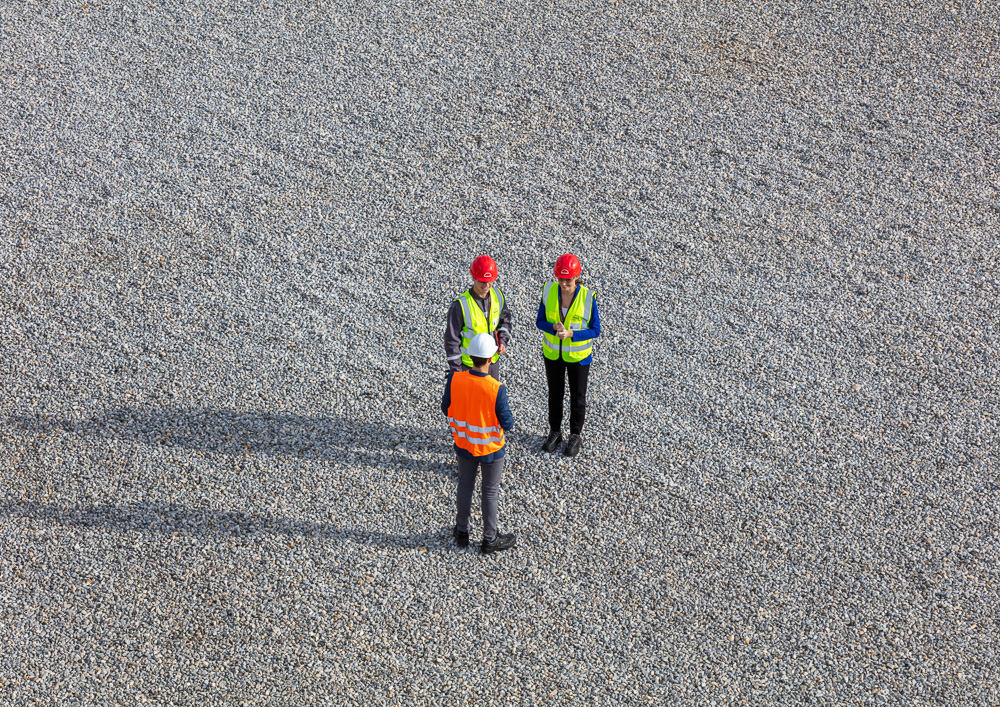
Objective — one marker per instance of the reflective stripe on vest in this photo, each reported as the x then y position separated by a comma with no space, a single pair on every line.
472,414
577,317
472,428
477,442
474,320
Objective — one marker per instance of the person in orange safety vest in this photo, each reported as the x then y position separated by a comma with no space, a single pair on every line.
476,406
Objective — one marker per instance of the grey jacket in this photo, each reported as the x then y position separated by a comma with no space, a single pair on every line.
456,322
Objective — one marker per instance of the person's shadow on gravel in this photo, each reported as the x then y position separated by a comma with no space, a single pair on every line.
172,518
253,433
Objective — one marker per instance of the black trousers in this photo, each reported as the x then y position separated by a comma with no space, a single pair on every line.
556,373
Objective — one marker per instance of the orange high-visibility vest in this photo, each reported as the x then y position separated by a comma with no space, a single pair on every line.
473,413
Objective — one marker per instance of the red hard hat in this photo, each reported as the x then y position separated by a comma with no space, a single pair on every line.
484,269
567,266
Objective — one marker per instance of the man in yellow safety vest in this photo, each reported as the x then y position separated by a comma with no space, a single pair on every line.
480,309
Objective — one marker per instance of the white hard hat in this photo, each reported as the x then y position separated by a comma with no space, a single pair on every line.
482,346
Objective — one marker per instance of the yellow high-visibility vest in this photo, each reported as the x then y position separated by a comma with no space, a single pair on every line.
475,321
577,317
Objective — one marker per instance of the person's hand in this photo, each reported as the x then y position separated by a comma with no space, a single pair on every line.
565,334
502,349
558,327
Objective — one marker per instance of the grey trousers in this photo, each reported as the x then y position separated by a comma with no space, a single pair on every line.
490,491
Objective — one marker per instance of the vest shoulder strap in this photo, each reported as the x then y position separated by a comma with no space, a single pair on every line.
487,383
464,300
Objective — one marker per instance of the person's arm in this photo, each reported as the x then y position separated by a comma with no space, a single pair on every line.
446,399
594,329
453,337
506,321
541,322
503,409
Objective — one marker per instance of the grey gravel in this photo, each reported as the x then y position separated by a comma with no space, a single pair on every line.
229,236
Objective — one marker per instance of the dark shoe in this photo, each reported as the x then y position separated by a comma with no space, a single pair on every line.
552,442
461,538
500,542
573,445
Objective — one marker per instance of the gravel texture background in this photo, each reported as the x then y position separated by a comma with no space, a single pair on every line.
228,238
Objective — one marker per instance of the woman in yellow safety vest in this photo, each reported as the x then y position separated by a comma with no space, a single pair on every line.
567,316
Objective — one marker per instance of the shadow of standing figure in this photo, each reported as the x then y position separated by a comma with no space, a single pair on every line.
168,519
239,433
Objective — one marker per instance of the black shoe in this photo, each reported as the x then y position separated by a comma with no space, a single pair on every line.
552,441
573,445
461,538
500,542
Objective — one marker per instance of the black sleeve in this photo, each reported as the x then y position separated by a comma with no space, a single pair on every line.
453,337
446,399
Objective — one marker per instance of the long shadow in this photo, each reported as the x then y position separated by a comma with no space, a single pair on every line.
282,434
174,518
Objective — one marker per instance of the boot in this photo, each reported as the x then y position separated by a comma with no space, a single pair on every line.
500,542
552,441
573,445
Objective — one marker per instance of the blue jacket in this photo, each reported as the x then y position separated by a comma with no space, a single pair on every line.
592,332
502,410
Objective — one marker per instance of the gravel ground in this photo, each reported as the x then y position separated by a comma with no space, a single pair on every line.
229,236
